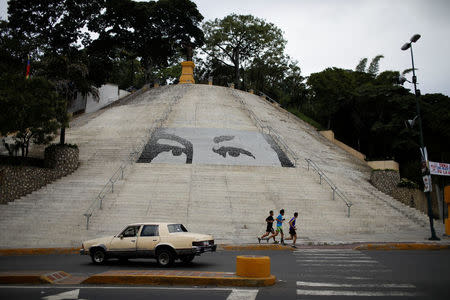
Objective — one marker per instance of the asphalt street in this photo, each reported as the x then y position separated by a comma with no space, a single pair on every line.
302,274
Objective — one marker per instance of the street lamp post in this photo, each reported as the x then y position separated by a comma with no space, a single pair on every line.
407,46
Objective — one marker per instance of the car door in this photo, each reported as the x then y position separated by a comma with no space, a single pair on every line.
124,244
147,241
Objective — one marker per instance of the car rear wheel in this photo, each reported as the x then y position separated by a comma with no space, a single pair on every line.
164,258
187,258
98,256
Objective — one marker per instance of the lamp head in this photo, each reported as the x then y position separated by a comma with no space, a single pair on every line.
406,46
415,38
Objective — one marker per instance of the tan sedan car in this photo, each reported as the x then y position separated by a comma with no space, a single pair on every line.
164,241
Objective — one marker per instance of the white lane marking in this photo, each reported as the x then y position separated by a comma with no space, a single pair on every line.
346,270
359,285
355,293
330,254
340,261
237,294
338,277
325,264
64,295
328,250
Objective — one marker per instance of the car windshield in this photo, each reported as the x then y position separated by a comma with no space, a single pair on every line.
176,228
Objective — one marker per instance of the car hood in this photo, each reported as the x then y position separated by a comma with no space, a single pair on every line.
99,241
196,237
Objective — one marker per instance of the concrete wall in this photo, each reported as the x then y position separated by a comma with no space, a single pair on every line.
376,165
329,134
107,94
384,165
387,182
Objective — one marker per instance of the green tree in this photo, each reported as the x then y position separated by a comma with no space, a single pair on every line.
152,33
237,40
374,65
52,26
29,110
54,30
361,67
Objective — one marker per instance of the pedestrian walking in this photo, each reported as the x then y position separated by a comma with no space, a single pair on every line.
279,229
269,228
292,230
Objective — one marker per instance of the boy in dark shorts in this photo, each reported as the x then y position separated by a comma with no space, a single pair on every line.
292,230
279,220
269,229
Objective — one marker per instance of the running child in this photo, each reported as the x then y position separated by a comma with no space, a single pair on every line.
279,227
269,228
292,230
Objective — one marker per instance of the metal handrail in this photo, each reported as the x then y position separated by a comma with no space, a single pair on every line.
132,157
263,127
281,142
267,97
333,187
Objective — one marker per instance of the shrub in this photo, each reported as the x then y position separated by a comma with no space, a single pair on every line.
406,183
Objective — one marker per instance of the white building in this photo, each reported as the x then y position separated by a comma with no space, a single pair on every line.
107,94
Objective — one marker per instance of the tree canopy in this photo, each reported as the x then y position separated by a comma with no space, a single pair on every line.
77,45
238,40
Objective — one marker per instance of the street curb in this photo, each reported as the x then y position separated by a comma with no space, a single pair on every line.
104,278
403,246
36,277
255,247
38,251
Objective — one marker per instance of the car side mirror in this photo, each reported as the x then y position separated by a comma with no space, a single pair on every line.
121,236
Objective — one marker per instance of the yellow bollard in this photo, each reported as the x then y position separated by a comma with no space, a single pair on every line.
253,266
447,200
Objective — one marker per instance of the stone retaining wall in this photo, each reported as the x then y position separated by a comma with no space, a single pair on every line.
387,181
18,181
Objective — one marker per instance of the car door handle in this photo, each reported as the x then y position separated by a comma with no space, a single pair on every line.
133,241
155,240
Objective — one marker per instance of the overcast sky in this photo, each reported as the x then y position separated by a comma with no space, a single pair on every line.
327,33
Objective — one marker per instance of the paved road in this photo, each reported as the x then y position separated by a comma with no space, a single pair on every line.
303,274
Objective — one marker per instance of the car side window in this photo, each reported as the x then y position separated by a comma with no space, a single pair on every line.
130,231
150,230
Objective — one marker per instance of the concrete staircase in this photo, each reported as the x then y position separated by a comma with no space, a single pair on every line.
231,202
53,215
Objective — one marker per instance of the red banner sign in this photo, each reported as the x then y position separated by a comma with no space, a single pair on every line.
437,168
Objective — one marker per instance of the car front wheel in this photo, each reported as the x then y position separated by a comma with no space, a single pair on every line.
164,258
98,256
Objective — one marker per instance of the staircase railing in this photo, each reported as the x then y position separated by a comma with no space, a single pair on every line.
263,127
280,141
97,203
334,188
